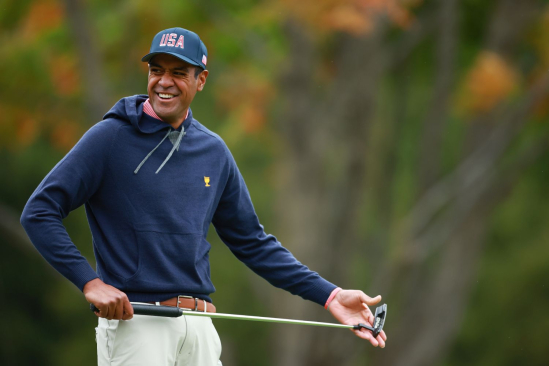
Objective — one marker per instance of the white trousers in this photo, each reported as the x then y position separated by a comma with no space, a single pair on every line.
159,341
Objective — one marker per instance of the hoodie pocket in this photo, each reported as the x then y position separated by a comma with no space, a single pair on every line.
169,261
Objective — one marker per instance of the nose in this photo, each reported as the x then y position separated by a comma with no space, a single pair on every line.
166,80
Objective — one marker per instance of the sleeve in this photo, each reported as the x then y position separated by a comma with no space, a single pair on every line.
66,187
238,226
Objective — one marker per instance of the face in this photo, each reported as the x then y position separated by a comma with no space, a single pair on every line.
172,87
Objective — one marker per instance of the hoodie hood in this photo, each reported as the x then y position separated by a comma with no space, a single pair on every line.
130,109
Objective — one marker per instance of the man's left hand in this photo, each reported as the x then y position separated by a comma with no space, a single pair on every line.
351,307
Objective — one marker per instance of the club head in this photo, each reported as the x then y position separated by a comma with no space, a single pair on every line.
379,319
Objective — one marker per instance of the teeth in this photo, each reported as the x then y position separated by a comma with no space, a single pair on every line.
165,96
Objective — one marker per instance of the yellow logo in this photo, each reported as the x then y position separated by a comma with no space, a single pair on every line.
207,181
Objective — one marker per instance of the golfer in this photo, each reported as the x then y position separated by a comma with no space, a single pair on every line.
152,179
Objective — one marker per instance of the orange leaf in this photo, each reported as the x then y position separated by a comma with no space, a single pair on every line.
247,94
346,18
489,81
64,76
43,15
252,118
351,16
26,130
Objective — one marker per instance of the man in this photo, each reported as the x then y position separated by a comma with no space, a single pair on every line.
152,179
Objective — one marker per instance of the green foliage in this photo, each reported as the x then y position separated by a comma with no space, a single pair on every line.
11,13
505,324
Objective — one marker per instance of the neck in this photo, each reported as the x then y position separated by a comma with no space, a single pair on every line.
147,108
176,125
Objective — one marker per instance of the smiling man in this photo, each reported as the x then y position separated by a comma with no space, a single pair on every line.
173,83
153,179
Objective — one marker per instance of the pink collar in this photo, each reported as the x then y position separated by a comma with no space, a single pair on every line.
147,108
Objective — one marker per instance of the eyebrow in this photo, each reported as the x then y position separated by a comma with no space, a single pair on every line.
186,68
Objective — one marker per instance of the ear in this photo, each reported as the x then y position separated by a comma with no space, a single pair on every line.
202,79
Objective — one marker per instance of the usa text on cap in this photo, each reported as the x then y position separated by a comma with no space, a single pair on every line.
181,43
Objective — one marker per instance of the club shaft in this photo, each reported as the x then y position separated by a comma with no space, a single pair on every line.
168,311
265,319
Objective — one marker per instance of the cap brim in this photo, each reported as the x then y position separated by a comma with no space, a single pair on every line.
148,56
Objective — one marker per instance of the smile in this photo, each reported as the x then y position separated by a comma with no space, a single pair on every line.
165,96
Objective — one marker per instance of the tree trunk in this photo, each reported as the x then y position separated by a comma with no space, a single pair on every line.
96,94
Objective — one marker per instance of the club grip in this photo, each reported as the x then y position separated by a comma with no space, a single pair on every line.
152,310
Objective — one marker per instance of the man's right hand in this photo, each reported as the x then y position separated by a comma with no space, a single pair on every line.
111,302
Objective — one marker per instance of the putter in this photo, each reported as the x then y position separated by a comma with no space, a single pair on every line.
173,312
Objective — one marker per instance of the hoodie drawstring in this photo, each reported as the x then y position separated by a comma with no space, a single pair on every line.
175,146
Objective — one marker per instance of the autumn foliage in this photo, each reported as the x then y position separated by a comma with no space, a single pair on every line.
489,81
351,16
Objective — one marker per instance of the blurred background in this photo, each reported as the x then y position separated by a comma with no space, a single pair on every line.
395,146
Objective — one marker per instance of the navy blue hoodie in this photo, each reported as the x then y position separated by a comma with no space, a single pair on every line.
149,227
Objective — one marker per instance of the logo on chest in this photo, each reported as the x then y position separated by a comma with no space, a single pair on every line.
207,181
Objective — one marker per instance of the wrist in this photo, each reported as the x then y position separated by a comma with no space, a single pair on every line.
332,296
91,284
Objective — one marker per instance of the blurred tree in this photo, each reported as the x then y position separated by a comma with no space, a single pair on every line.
330,127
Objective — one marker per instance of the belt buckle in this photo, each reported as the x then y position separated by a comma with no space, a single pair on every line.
187,297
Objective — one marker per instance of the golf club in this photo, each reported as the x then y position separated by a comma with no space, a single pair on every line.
173,312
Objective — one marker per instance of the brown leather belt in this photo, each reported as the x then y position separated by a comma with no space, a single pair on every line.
188,303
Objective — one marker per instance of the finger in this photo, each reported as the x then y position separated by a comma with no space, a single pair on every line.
103,313
128,310
366,311
373,341
112,309
370,318
119,310
94,308
371,338
380,341
369,300
368,336
383,335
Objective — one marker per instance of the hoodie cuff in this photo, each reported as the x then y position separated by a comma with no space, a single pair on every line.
83,274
